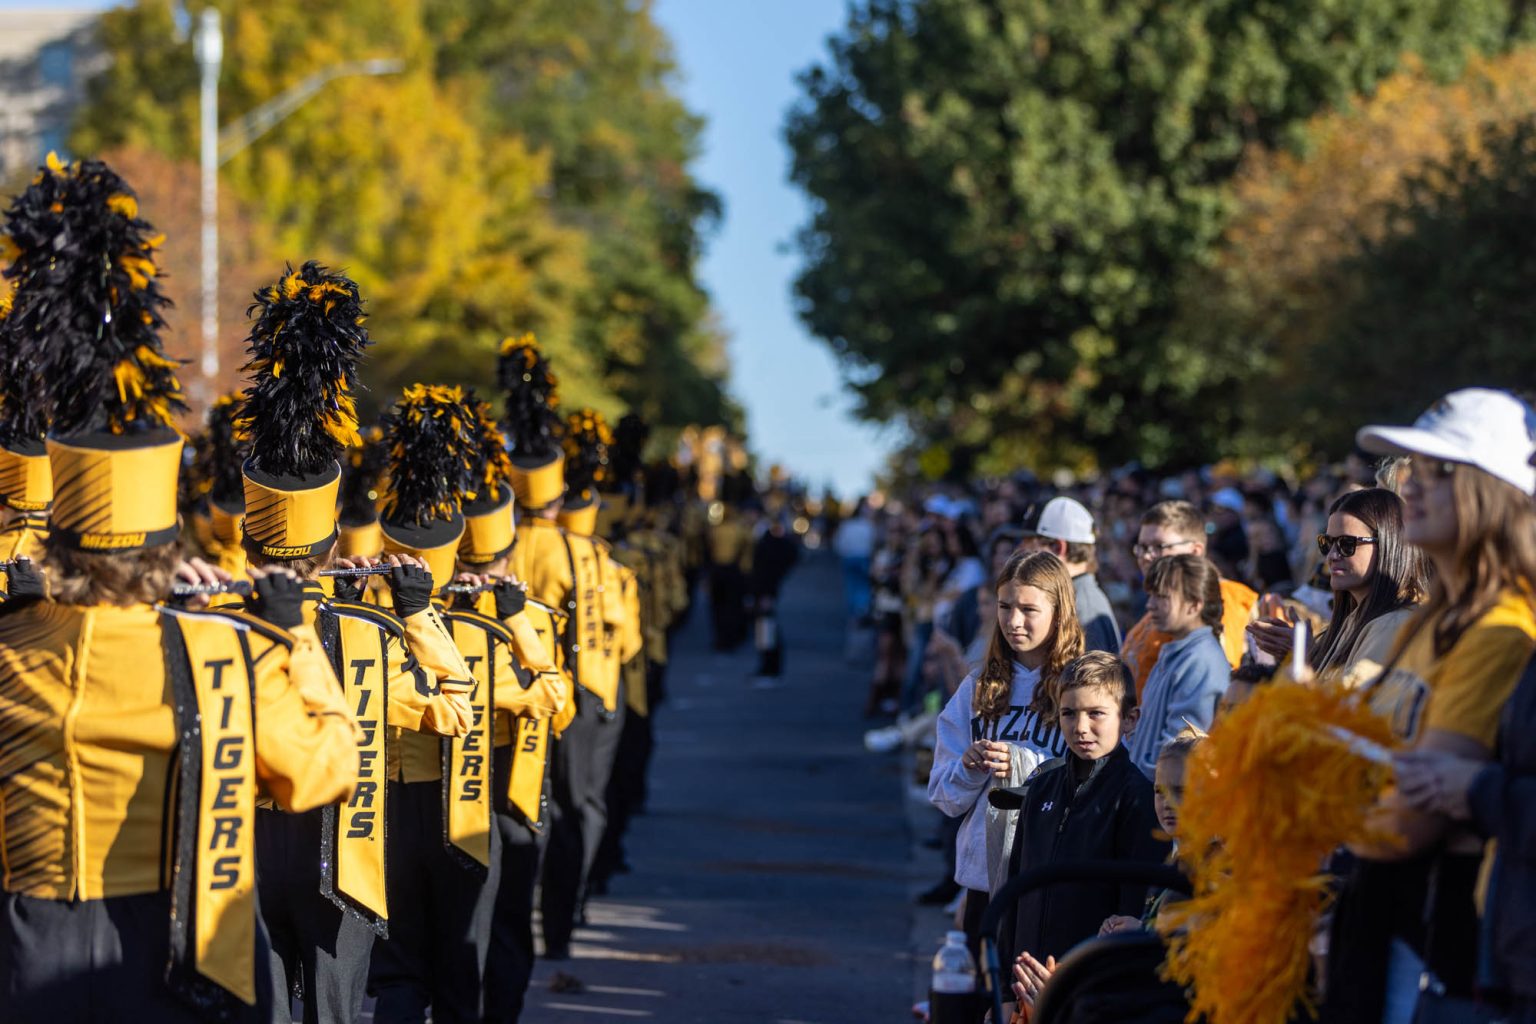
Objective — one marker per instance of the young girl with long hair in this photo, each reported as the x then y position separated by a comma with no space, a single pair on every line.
1409,904
1183,602
1001,722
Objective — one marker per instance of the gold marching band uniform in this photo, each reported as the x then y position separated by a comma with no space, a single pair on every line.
319,785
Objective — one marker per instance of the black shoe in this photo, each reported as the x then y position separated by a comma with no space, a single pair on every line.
939,894
562,952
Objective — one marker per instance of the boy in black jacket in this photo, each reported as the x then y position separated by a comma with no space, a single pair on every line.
1096,805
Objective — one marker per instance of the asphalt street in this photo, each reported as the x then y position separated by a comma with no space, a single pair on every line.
773,873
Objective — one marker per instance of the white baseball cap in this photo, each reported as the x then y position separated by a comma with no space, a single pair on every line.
1492,430
1066,519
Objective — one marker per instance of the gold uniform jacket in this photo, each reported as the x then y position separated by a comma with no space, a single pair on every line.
575,575
505,686
526,719
413,756
92,754
87,730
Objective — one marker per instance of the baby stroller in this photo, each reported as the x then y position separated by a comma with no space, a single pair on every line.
1108,980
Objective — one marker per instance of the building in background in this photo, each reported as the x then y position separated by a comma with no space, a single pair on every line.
46,57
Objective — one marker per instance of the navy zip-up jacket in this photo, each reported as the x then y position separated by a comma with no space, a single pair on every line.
1109,816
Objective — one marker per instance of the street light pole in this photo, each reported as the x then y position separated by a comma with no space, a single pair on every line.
208,46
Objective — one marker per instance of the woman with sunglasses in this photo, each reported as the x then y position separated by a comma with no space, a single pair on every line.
1408,908
1377,579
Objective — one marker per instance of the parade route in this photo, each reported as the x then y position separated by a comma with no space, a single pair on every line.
772,872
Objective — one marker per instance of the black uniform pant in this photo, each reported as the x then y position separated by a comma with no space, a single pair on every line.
518,852
578,813
626,795
99,962
319,951
727,591
439,918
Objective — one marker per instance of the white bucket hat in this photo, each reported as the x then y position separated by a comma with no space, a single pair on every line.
1492,430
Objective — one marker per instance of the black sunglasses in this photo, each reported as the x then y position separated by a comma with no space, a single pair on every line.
1345,543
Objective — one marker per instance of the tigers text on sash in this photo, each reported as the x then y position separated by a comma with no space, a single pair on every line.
225,868
530,768
467,758
362,665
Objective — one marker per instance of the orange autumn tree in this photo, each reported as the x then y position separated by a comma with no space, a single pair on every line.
1283,271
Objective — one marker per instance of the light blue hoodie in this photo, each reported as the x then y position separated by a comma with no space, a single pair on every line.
960,791
1190,676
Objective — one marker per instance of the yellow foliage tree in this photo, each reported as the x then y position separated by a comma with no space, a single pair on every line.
1279,276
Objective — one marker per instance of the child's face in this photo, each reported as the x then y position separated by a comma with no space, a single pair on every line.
1237,691
1091,722
1168,792
1025,615
1172,613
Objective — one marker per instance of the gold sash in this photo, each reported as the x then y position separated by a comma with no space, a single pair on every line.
214,891
354,877
530,769
595,670
467,758
530,740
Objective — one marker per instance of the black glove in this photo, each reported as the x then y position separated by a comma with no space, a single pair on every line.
510,598
279,599
25,580
348,588
411,586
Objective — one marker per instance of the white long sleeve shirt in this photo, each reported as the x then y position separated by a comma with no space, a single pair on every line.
959,791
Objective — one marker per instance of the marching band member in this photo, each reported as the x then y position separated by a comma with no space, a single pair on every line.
526,646
324,889
545,558
603,615
135,739
438,792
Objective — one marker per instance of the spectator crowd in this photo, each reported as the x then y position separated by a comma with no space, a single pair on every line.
1055,656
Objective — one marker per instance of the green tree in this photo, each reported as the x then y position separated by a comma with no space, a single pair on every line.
456,220
1007,192
591,82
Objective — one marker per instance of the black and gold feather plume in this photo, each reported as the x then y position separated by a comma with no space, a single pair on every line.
23,414
430,438
587,440
300,414
532,393
86,317
221,452
362,478
491,472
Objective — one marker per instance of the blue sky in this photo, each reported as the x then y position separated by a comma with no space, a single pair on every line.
738,60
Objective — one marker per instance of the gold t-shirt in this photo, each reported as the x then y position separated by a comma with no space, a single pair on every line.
1464,691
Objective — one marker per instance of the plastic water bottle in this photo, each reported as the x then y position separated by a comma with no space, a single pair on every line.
953,992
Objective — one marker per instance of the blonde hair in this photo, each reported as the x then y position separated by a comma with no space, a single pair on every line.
121,578
1181,746
994,685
